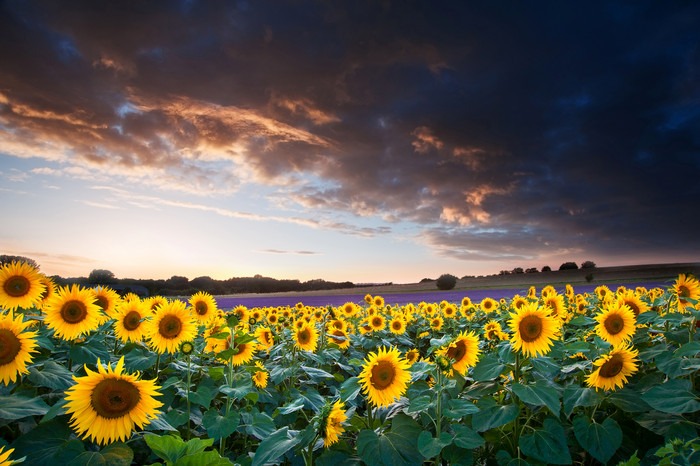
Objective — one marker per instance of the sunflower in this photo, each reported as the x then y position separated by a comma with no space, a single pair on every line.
16,344
170,325
555,302
518,302
264,337
488,305
244,350
48,293
464,351
466,301
216,345
20,286
616,323
107,299
533,329
154,302
377,322
203,307
349,309
106,405
397,325
5,457
333,425
686,286
450,311
384,376
72,312
338,337
260,377
436,323
602,292
613,368
631,299
412,356
129,320
306,337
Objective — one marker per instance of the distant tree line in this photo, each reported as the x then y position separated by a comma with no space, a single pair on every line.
546,268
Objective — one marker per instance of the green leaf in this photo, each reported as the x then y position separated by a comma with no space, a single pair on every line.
16,407
575,396
547,444
210,458
673,396
52,375
674,366
397,446
167,447
466,437
239,389
258,424
494,416
600,440
89,352
350,389
420,403
160,424
546,366
41,444
459,407
628,400
317,375
539,395
88,458
430,446
202,396
219,426
117,454
140,359
295,405
197,445
274,446
489,367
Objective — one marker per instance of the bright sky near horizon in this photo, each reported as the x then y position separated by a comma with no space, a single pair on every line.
360,141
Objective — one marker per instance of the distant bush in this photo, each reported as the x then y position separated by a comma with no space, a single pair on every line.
568,266
546,268
588,265
532,270
446,282
589,277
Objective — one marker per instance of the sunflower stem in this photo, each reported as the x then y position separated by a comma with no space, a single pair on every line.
516,379
370,419
189,381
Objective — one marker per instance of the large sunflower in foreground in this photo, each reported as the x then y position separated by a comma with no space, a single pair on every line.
616,323
464,351
20,286
106,405
72,312
334,427
203,307
533,329
384,376
306,337
129,320
613,368
16,344
170,325
686,286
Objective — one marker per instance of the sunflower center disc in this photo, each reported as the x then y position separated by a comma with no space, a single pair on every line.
377,322
382,375
169,327
614,324
102,302
74,312
530,328
304,336
17,286
132,320
457,351
9,346
611,368
337,333
113,398
201,308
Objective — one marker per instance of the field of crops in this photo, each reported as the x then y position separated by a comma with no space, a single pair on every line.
550,376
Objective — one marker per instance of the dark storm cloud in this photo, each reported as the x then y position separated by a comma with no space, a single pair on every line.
505,130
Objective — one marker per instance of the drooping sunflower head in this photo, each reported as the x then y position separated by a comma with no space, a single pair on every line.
333,425
72,312
20,286
16,346
384,376
463,351
613,368
616,323
368,298
534,329
130,320
260,376
203,307
107,405
107,299
306,337
170,325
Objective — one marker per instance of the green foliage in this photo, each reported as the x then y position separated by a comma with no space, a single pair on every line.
446,282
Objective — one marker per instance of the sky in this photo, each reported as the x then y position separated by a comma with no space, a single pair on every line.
363,141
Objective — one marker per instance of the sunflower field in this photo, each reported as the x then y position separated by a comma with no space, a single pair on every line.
546,377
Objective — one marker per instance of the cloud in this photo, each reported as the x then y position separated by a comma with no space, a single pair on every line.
279,251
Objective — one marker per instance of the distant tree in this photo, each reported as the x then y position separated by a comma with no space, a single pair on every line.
518,270
177,283
446,282
203,284
568,266
504,272
546,268
427,280
5,259
531,270
101,277
588,265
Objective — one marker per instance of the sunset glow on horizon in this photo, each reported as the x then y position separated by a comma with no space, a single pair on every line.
348,142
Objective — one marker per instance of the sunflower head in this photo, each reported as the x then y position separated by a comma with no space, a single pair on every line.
384,376
332,424
72,312
616,323
203,307
686,287
21,286
306,337
171,325
534,329
463,352
16,346
260,376
613,368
